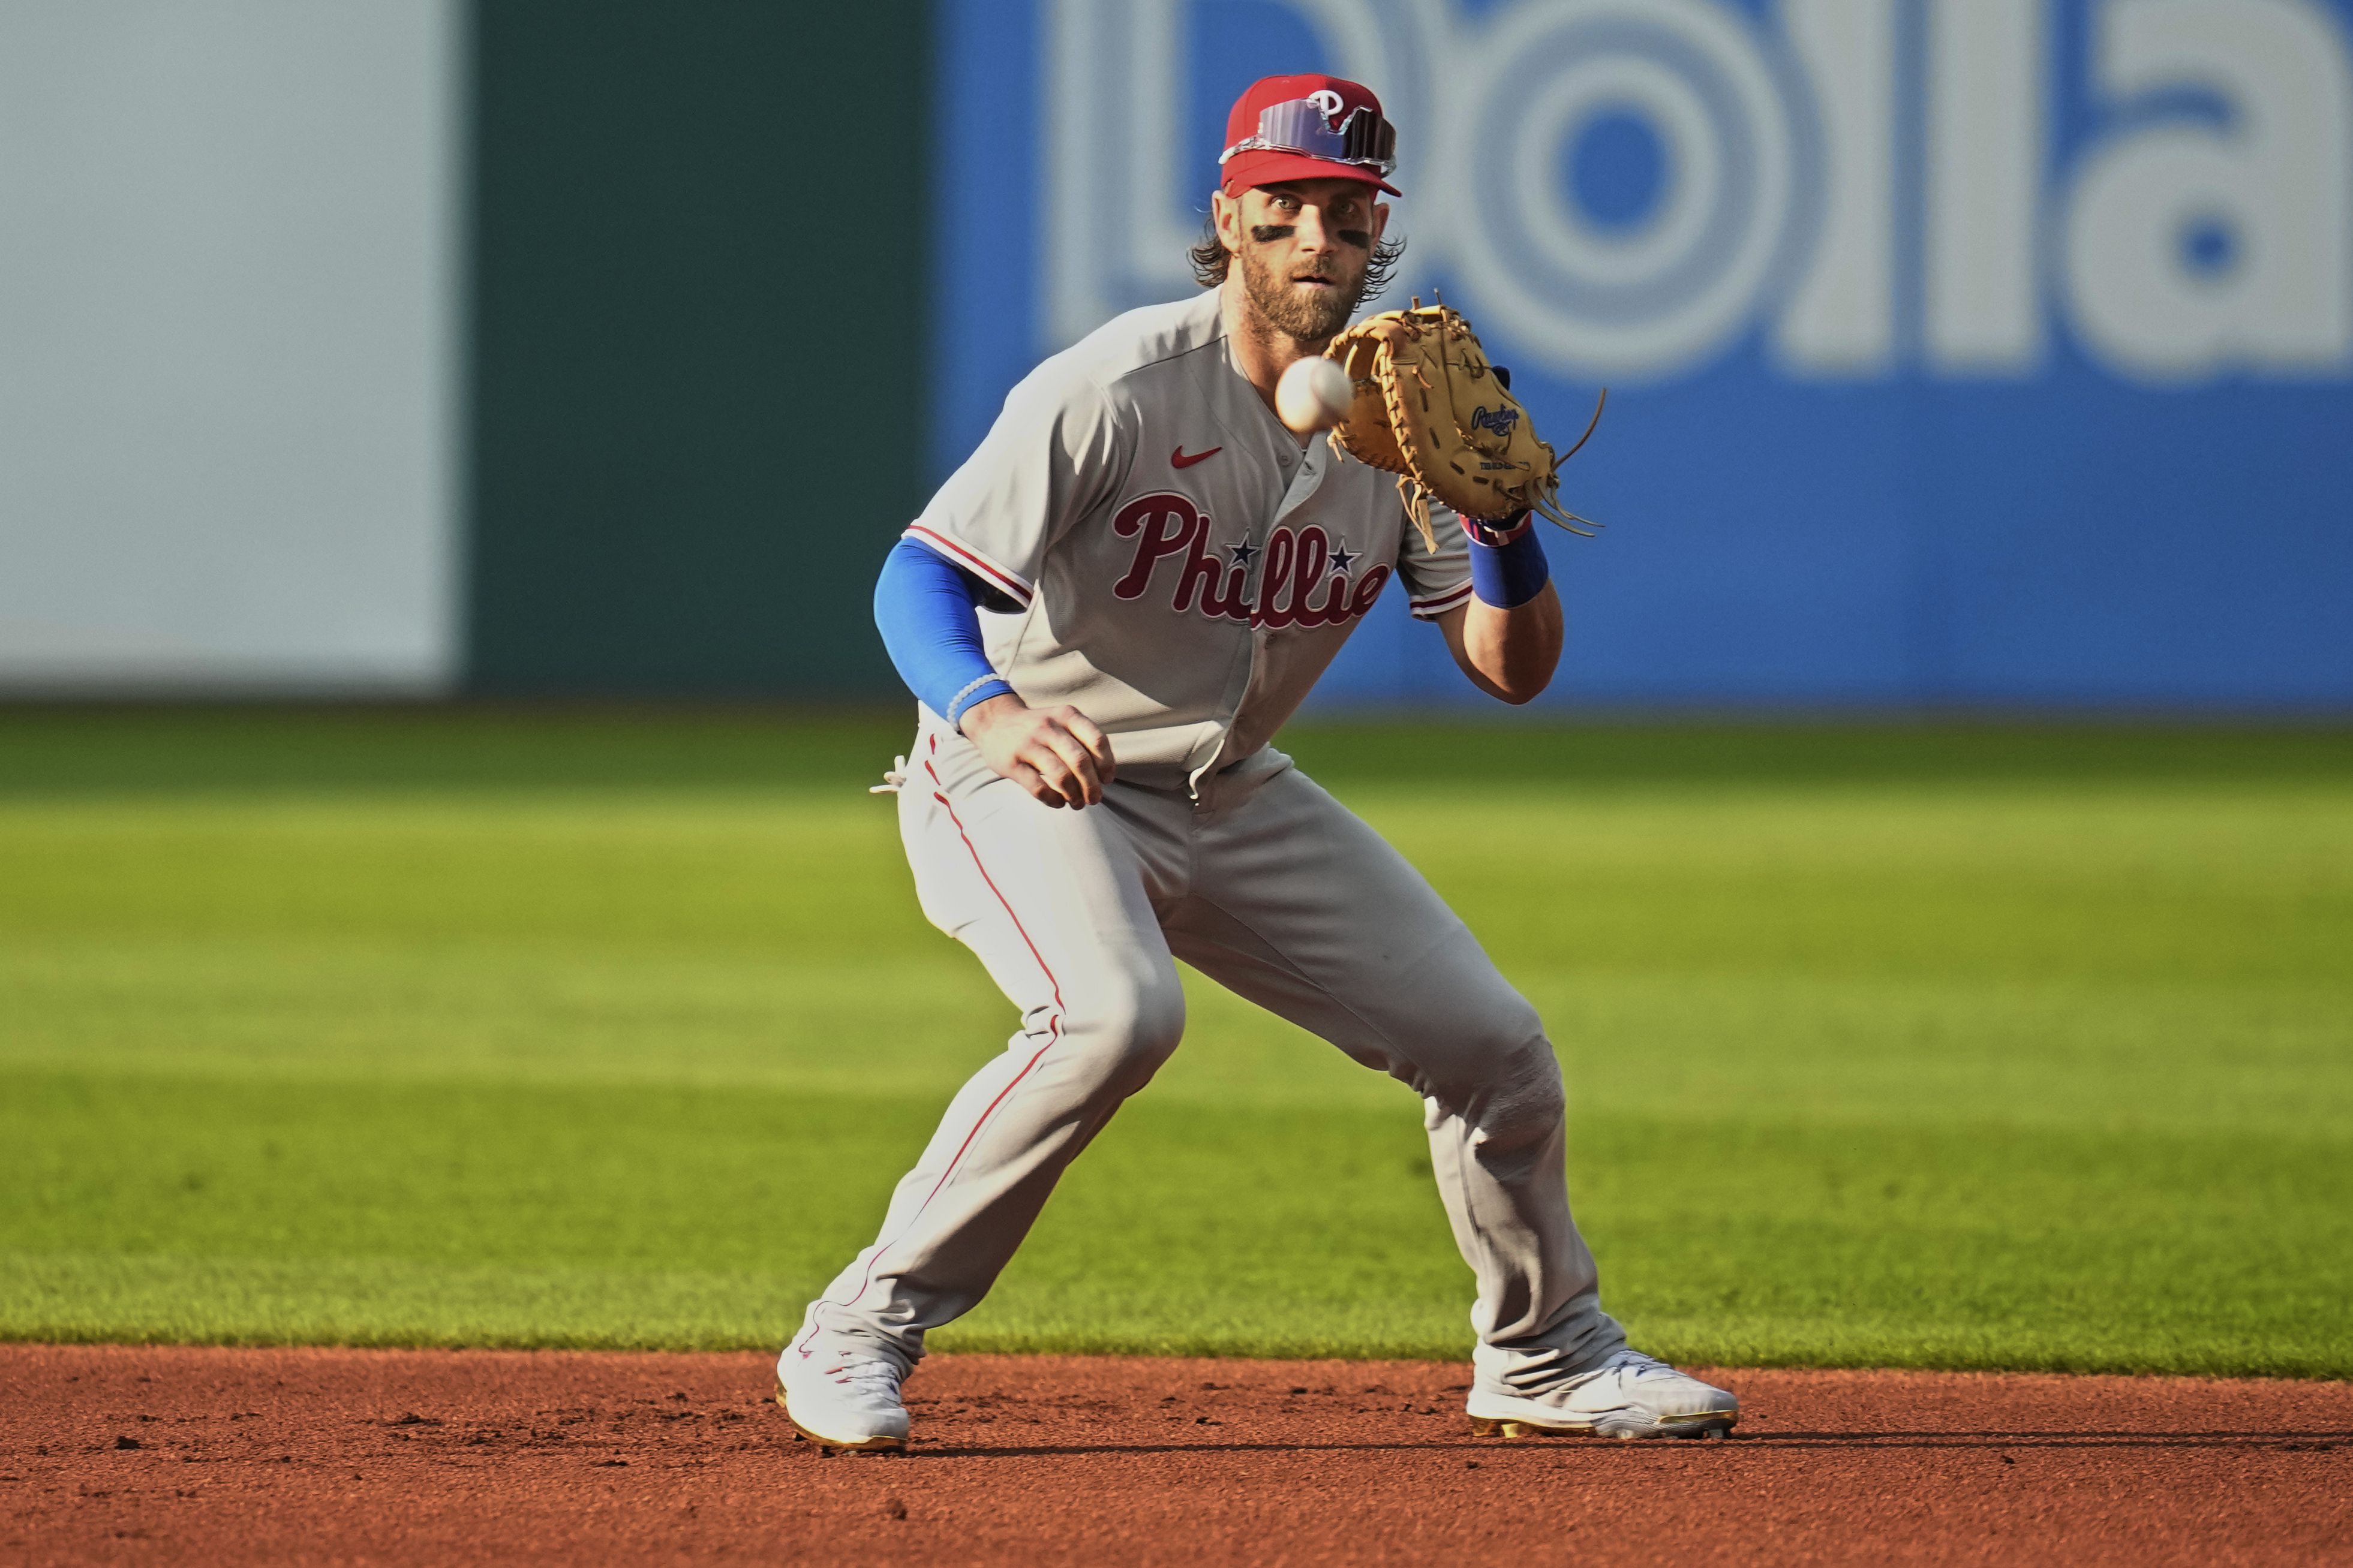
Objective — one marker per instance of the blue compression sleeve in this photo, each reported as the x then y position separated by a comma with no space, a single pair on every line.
1508,561
924,606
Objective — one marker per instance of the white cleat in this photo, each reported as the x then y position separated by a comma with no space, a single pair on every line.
845,1402
1629,1395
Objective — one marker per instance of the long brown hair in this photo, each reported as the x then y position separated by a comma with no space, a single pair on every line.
1211,261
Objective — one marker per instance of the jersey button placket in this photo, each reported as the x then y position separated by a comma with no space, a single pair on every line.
1253,583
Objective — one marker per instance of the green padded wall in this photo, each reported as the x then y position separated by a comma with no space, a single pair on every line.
700,240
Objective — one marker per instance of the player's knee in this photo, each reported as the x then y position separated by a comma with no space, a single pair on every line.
1519,1100
1130,1027
1528,1104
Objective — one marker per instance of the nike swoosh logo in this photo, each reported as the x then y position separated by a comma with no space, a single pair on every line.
1177,460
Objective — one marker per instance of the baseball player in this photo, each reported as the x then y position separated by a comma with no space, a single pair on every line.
1106,614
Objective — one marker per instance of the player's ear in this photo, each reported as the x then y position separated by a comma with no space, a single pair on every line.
1380,220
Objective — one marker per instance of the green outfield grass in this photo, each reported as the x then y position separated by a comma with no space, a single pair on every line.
1961,1046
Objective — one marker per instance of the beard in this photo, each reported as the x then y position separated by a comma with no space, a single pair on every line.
1308,315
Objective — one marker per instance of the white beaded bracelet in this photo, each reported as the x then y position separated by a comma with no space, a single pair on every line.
956,703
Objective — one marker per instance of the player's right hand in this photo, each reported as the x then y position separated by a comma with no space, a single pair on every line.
1056,753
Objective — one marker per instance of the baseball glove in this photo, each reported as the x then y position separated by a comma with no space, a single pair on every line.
1432,410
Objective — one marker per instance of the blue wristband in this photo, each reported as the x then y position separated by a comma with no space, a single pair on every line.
1508,561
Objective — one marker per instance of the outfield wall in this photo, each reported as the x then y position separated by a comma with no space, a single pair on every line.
698,393
230,280
1961,351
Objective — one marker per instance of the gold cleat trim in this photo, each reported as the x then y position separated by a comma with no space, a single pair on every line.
1723,1420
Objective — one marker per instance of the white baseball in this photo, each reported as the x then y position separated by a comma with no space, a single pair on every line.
1313,394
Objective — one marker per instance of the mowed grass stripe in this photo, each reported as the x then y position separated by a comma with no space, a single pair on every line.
1787,1047
626,1217
182,752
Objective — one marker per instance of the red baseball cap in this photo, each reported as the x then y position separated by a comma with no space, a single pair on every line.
1307,128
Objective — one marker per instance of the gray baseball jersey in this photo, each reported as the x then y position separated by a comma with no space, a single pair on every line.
1171,563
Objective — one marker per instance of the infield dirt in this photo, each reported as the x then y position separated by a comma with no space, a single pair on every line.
113,1453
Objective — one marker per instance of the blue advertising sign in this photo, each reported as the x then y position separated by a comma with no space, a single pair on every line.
1960,352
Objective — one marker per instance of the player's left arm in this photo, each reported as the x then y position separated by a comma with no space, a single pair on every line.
1507,637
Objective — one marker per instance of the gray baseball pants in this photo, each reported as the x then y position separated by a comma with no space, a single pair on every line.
1277,892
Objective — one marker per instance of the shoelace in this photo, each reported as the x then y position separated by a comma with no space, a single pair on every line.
867,1377
1636,1363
